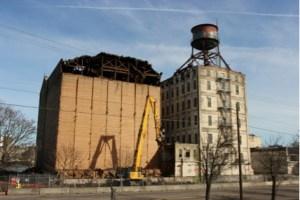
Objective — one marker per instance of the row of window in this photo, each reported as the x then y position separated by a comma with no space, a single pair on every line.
187,153
187,122
212,74
183,123
184,105
183,139
175,91
180,77
188,139
185,75
170,93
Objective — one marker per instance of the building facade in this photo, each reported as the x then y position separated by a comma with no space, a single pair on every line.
199,103
254,141
90,113
262,159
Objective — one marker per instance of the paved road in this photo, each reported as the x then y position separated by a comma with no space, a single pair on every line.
290,192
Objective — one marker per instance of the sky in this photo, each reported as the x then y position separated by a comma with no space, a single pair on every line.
258,38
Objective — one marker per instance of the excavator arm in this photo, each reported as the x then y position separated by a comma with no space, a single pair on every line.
136,172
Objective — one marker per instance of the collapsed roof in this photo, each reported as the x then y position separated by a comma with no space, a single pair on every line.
114,67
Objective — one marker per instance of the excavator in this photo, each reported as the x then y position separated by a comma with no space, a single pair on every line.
135,173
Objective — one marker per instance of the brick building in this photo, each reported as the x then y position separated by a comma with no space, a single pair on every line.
199,100
90,111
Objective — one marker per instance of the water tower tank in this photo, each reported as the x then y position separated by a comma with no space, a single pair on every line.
205,37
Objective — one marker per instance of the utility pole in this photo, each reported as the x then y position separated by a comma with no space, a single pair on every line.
238,124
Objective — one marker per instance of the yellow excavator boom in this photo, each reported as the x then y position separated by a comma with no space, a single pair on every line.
136,173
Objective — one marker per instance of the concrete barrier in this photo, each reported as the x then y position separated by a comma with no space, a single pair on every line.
62,190
151,188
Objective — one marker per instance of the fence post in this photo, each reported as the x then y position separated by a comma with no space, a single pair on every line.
49,181
112,193
121,181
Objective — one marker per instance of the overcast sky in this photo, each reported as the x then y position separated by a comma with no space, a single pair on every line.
258,38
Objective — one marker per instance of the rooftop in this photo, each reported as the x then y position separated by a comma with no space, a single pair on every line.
113,67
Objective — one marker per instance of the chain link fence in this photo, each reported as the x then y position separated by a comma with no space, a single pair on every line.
52,181
27,181
49,181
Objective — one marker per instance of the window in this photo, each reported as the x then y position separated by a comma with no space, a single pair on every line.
196,120
163,111
189,121
293,158
178,123
236,78
188,104
167,139
238,107
195,84
208,85
195,154
167,94
183,122
209,102
194,72
242,157
188,87
172,108
182,76
224,103
183,139
195,102
180,152
182,89
177,91
189,139
237,90
167,110
183,106
172,125
209,120
177,107
187,74
172,93
177,139
209,138
196,138
162,96
223,85
187,153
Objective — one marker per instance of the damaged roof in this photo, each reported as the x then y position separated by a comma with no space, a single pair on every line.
113,67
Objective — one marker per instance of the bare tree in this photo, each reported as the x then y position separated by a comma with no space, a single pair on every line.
15,131
272,161
295,142
215,157
68,158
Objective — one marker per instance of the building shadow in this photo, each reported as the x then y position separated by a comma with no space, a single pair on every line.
110,142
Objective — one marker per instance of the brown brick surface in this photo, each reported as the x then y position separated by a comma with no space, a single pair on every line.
99,119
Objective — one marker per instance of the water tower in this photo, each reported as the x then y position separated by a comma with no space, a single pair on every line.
205,47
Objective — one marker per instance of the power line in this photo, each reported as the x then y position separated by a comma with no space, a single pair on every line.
35,36
270,130
18,90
